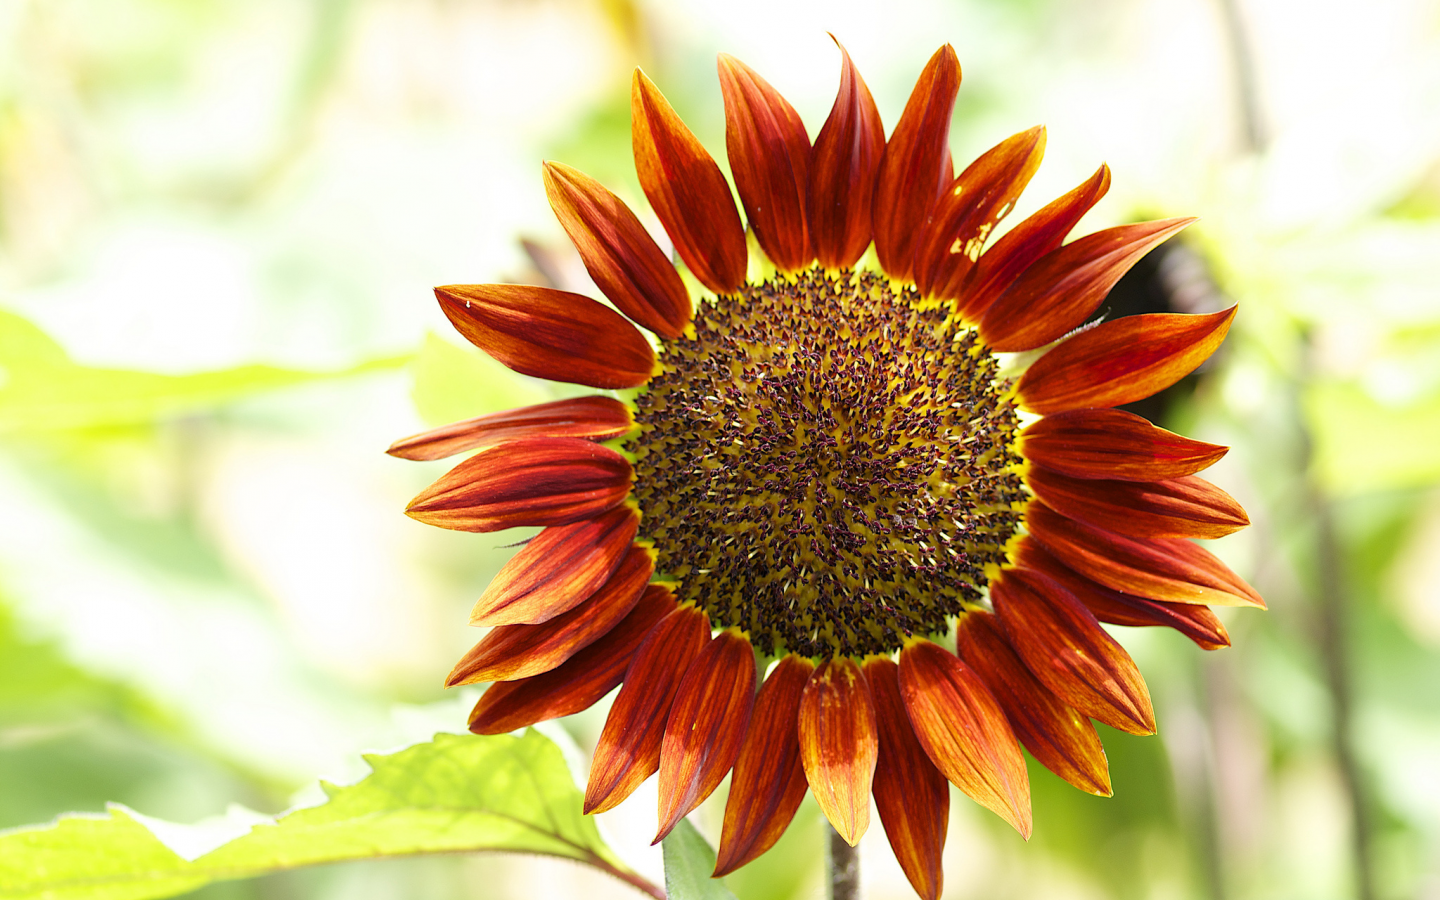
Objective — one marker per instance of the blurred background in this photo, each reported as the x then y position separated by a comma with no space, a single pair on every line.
219,224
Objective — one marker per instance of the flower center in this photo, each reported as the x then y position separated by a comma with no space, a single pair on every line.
826,465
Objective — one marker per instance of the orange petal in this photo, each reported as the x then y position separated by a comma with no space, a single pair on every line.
1061,289
843,166
629,748
550,334
1198,623
1027,242
964,732
1157,568
910,793
686,190
915,167
1054,732
706,726
528,481
769,781
968,211
1064,646
769,159
580,682
1188,507
1112,443
624,261
839,745
558,569
1121,361
510,652
592,418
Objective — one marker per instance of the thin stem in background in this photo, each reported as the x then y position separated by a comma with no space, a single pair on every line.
1333,632
844,868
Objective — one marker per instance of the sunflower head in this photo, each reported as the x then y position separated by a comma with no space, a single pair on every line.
829,468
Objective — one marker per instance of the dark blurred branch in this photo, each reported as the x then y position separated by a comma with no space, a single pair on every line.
1333,631
1242,61
844,869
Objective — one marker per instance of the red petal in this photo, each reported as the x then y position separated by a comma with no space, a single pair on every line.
579,683
1121,361
839,744
1188,507
768,782
557,570
915,167
624,261
843,166
529,481
1198,623
1060,290
686,190
968,211
910,793
769,160
1156,568
964,732
629,748
1063,644
550,334
1027,242
1054,733
592,418
706,726
1112,443
511,652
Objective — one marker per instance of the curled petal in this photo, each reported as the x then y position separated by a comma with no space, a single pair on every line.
969,210
557,570
591,418
1178,571
510,652
624,261
1062,288
580,682
1054,732
1063,644
839,744
528,481
1112,443
964,732
916,166
628,751
706,726
1198,623
769,781
1188,507
910,793
550,334
769,159
1022,245
843,166
1121,361
686,190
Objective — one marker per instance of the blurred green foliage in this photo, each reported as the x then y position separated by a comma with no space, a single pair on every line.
191,458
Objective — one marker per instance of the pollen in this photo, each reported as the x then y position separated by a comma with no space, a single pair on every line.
827,464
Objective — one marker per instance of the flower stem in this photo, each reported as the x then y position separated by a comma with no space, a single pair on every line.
844,869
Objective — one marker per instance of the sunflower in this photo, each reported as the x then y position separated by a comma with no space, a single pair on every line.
830,460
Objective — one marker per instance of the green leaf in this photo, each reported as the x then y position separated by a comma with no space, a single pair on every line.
42,389
454,383
689,860
457,793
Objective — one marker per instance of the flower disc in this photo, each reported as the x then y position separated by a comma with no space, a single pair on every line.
827,464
